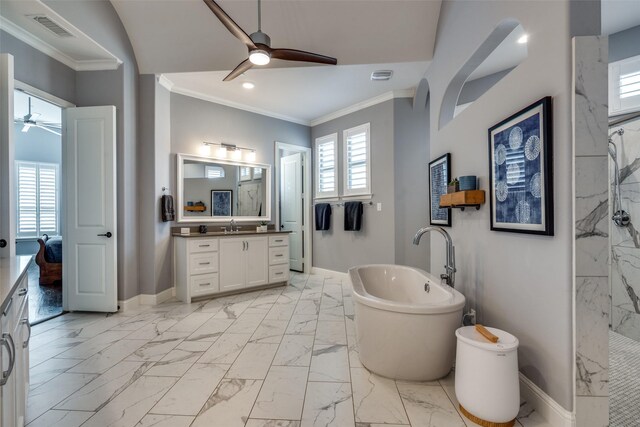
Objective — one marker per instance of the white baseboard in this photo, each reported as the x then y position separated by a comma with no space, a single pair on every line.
147,299
544,405
130,304
331,273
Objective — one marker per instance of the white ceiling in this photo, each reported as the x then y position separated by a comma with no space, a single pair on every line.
78,52
185,36
619,15
298,94
507,55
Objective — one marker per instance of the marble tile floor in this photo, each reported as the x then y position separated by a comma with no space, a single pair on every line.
279,357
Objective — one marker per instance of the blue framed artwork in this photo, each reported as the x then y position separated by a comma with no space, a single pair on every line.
439,176
521,173
221,202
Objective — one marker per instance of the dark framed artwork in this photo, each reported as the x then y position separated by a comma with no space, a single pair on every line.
521,171
221,202
439,177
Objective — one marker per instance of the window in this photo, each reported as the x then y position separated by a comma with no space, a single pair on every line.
257,173
213,172
624,86
357,161
38,200
245,173
326,179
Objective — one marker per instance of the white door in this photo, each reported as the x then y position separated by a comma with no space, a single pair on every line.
89,185
232,264
7,213
257,261
291,206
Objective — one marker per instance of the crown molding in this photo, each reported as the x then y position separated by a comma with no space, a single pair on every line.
164,82
55,53
406,93
237,105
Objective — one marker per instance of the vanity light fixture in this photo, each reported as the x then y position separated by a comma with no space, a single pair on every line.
523,39
224,149
248,85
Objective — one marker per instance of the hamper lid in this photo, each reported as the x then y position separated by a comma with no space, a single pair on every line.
506,341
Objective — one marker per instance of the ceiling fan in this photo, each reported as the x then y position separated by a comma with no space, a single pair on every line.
29,121
259,45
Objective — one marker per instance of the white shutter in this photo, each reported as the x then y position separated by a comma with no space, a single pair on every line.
357,165
38,199
326,180
213,172
27,199
624,86
48,199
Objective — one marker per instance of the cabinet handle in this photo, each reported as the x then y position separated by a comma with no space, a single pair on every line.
22,292
7,342
6,309
25,321
205,263
205,284
247,245
279,241
279,273
203,246
278,255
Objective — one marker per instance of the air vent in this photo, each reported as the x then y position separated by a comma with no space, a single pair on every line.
52,26
380,75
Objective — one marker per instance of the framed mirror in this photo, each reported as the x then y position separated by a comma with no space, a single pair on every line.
219,190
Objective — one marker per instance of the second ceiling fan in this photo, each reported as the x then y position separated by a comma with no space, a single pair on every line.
259,45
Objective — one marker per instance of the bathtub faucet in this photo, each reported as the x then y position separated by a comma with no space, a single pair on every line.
450,268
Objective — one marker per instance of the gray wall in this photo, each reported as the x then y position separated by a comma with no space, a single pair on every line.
337,249
39,70
624,44
99,20
519,283
411,182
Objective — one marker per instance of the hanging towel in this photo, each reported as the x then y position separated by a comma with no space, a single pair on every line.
168,212
352,216
323,216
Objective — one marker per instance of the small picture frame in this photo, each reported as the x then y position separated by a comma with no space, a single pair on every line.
439,177
221,202
521,171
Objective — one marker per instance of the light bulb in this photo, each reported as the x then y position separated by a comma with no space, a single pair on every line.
236,154
205,150
222,152
259,57
251,157
523,39
248,85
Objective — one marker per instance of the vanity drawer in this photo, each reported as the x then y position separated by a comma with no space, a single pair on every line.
282,240
200,263
202,245
278,273
204,284
279,255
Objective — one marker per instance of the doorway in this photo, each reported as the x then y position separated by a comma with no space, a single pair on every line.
293,207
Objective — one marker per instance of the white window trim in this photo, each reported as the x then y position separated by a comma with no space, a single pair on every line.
345,134
615,107
321,140
58,207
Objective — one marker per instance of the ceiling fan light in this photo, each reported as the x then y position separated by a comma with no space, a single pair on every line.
259,57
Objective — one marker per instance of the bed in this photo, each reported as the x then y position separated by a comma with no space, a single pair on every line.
49,259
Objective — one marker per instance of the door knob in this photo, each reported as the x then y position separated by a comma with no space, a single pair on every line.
107,235
281,225
3,243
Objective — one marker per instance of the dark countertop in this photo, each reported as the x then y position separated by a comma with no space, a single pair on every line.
228,234
11,272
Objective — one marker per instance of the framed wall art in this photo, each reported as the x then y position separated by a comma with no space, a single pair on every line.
521,171
439,177
221,202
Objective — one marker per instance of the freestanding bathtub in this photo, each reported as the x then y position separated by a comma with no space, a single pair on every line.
405,321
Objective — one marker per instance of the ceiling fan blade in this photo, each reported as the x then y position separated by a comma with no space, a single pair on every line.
230,24
301,55
241,68
48,130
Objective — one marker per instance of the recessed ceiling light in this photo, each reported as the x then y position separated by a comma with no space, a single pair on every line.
523,39
248,85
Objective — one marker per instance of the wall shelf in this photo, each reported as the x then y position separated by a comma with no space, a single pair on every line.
462,199
196,208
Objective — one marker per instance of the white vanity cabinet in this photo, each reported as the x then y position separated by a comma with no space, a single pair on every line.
14,356
213,265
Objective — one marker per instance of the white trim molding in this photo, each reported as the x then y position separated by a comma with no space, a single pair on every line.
544,405
129,304
30,90
146,299
77,65
407,93
164,82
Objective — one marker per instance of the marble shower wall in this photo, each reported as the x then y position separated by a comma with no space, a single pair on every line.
625,241
591,232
